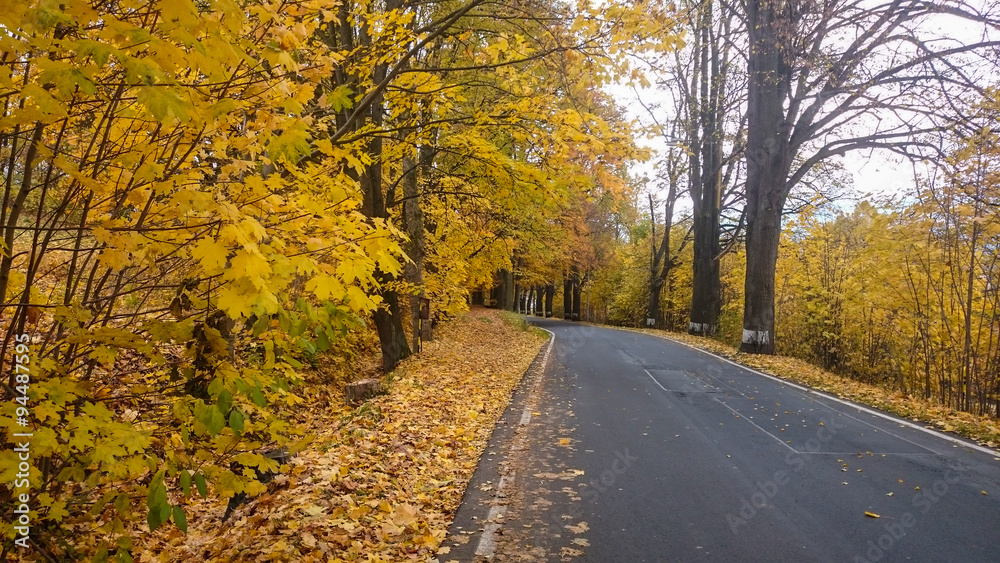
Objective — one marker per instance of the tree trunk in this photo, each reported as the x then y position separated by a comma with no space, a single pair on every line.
706,177
653,307
413,223
576,296
768,164
550,291
505,295
391,336
388,318
763,233
969,297
706,298
567,297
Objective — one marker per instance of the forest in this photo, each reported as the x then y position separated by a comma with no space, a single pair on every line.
217,211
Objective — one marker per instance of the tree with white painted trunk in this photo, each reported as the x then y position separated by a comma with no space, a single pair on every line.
831,77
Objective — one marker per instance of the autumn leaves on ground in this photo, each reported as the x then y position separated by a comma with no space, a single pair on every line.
379,482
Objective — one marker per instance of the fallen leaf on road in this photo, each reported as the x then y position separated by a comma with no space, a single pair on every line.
579,528
581,542
871,515
570,552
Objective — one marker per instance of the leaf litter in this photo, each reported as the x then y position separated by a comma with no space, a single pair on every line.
380,482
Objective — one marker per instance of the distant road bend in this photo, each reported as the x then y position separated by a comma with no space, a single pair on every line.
633,448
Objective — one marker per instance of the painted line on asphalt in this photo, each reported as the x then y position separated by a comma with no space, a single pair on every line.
654,379
890,418
487,542
526,414
739,414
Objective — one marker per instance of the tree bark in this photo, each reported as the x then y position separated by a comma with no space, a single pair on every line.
706,183
576,295
507,293
413,223
768,164
388,318
550,291
567,297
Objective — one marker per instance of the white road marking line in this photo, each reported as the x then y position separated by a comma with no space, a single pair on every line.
487,542
525,417
526,414
654,379
739,414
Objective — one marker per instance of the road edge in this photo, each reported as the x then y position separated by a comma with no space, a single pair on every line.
481,509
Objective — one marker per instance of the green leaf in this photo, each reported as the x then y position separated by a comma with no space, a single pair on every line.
257,396
199,482
291,144
180,520
99,505
100,52
210,416
340,98
164,104
122,503
236,420
225,402
186,483
261,325
156,500
307,346
157,490
153,519
322,341
215,421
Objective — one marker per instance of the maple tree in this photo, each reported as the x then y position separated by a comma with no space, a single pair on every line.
203,197
157,213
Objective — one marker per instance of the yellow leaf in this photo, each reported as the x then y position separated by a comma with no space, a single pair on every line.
871,515
211,254
234,304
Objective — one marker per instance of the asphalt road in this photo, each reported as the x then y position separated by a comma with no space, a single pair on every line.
630,448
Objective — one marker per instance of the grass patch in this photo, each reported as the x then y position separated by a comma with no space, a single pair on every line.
515,320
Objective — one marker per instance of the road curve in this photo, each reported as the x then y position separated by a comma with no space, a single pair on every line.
632,448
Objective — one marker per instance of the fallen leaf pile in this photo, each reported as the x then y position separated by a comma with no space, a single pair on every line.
984,429
380,482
